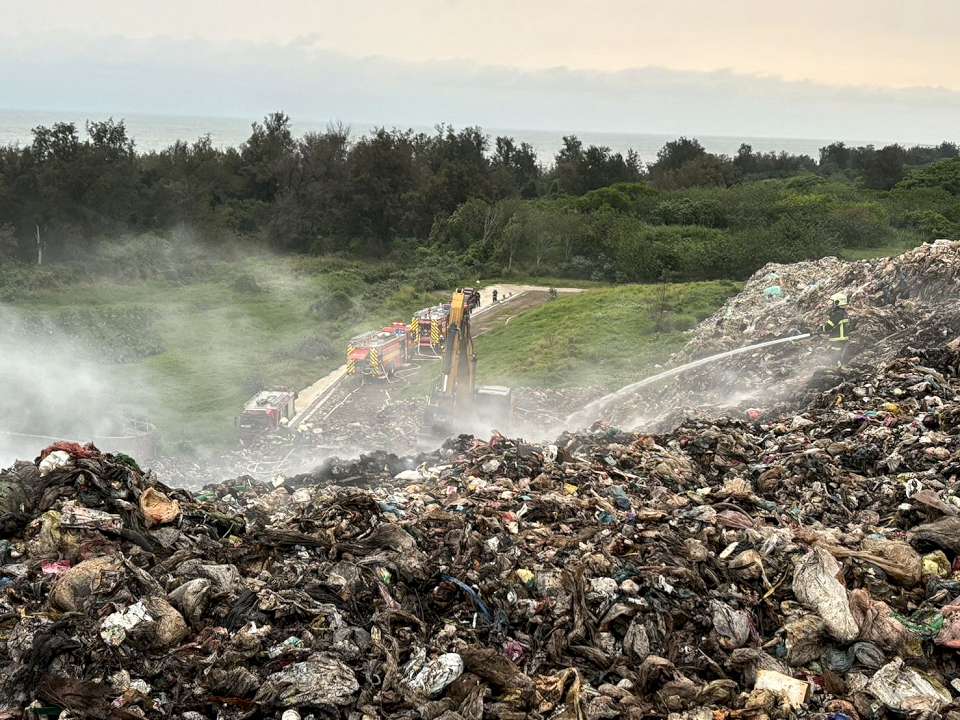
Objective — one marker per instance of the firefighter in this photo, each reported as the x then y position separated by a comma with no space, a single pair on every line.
837,326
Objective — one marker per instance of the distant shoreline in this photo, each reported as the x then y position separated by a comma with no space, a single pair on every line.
156,132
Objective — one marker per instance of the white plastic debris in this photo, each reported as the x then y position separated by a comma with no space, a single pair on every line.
491,466
291,643
794,692
114,628
301,497
54,461
816,586
903,689
320,680
604,587
433,677
73,515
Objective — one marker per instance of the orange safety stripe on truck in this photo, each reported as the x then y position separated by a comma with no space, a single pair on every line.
351,364
375,366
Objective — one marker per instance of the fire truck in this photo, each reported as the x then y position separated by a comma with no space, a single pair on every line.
378,354
266,412
428,329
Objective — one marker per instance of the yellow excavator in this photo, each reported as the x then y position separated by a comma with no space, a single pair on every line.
458,404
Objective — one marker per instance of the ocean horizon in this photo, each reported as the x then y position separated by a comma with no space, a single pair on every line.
153,132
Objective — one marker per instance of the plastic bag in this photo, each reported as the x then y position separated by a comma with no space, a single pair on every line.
903,689
157,508
54,461
77,588
794,692
816,586
734,627
320,680
114,628
430,679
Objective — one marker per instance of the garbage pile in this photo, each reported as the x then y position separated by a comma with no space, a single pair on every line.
877,291
806,566
893,303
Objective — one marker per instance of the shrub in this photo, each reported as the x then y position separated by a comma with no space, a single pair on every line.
944,174
333,304
931,224
246,284
689,211
862,225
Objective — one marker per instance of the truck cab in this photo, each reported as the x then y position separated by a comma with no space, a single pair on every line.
266,412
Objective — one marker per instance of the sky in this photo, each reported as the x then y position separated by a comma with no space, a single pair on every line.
876,68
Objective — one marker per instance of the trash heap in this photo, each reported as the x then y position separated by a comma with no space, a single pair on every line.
807,566
876,291
893,302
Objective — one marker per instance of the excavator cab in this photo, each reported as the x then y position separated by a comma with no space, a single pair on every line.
458,404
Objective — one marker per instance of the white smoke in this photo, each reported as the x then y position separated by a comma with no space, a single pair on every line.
52,386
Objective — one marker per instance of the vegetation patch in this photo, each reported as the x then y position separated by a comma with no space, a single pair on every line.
605,337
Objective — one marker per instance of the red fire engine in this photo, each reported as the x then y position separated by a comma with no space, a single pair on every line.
428,329
378,354
266,412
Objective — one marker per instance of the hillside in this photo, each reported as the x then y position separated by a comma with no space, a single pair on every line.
187,354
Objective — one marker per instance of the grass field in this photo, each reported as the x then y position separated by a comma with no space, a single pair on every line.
605,336
894,247
260,322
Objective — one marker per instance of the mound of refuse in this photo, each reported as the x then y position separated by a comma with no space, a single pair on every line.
909,300
780,298
807,565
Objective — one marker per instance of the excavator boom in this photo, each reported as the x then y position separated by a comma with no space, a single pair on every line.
457,403
459,361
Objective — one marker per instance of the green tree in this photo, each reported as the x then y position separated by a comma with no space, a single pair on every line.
834,158
884,168
677,153
944,174
381,185
266,157
516,169
9,246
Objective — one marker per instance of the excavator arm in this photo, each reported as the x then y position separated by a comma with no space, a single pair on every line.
457,403
458,375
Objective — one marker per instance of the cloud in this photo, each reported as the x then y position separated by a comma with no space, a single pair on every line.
197,77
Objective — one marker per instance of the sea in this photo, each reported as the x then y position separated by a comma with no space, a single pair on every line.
156,132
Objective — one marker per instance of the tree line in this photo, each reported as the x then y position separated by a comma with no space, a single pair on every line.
331,193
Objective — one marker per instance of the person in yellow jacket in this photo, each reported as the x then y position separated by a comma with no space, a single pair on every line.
837,326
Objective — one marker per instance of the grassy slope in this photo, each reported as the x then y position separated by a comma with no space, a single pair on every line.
603,336
221,343
599,337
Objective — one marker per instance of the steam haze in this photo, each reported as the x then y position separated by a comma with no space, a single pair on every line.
51,385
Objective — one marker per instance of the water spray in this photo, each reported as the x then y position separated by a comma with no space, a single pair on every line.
588,413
